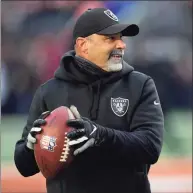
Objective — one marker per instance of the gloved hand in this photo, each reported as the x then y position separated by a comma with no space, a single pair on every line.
31,140
85,129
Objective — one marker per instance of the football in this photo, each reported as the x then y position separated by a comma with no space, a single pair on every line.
52,152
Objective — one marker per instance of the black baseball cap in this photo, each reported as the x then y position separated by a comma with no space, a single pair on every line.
101,21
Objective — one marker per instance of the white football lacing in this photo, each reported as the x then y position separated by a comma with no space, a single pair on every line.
66,150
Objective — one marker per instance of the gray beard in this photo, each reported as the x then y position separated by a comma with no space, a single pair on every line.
114,66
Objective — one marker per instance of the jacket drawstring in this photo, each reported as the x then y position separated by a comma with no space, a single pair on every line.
94,89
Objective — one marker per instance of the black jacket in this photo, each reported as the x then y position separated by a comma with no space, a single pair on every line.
125,101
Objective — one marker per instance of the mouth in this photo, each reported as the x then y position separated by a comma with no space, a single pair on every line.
116,56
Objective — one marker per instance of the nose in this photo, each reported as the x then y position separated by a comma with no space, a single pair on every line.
120,44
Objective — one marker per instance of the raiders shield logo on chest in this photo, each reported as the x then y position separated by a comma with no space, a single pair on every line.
119,106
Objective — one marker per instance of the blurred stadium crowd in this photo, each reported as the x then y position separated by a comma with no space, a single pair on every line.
35,34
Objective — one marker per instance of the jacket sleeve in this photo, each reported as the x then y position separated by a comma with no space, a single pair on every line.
144,143
24,158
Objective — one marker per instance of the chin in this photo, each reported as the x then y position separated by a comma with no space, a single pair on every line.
114,67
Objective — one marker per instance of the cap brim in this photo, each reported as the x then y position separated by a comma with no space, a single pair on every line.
125,29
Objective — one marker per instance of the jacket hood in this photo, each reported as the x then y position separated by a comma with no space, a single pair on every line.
77,70
68,71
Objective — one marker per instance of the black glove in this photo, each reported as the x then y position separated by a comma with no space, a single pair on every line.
36,128
85,129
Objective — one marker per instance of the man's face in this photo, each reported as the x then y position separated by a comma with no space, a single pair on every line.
106,51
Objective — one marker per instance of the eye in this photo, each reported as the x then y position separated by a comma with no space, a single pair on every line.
111,38
114,37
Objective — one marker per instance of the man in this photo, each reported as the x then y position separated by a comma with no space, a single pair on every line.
117,112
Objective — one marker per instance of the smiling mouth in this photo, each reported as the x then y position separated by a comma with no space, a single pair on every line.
116,56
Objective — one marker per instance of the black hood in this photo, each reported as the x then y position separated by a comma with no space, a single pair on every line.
77,70
70,71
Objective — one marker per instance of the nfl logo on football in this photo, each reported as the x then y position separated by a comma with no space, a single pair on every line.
48,143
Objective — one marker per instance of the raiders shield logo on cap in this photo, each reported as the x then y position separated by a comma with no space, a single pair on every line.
110,14
119,106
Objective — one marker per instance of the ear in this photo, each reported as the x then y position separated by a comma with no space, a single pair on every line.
82,44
